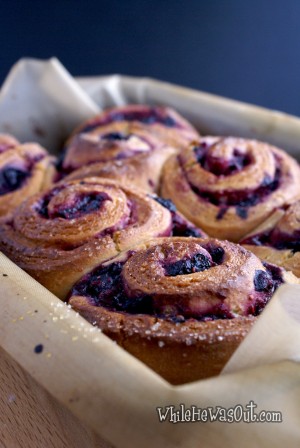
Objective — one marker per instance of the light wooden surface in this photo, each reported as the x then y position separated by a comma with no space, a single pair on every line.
31,417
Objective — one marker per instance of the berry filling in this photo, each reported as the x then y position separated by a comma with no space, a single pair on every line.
167,203
105,287
82,205
276,274
266,283
262,281
217,253
277,240
221,166
42,207
11,179
240,199
112,136
180,226
294,246
146,116
197,263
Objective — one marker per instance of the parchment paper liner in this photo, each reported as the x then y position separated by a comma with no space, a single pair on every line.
102,384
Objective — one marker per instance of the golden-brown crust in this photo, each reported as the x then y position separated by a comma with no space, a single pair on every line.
180,347
57,251
184,177
284,257
142,171
92,146
124,149
41,170
181,352
155,133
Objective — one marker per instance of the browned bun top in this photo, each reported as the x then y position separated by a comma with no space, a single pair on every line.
230,185
182,278
180,305
59,235
127,131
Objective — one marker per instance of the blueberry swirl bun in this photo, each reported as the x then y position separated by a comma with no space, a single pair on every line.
124,132
277,240
181,305
24,170
61,234
129,144
229,186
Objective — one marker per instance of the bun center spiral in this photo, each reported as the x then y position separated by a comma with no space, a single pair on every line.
80,211
215,166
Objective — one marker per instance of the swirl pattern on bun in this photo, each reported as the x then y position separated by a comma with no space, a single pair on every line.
129,143
59,235
228,186
181,305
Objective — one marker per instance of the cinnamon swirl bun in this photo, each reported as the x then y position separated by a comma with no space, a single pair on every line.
59,235
228,186
129,143
181,305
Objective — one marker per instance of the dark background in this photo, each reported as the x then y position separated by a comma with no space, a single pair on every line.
247,50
